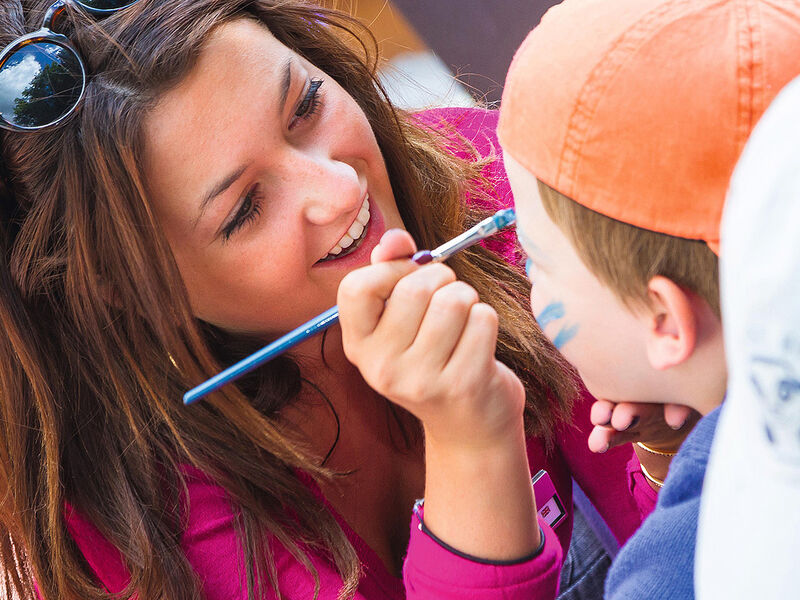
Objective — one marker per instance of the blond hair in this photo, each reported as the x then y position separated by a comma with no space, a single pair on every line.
625,257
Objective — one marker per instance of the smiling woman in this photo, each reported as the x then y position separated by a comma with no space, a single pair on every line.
230,163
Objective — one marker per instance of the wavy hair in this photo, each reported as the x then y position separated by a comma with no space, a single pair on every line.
99,340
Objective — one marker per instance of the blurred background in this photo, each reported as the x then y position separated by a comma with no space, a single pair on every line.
447,52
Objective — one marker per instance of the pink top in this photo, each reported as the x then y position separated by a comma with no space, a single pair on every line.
430,570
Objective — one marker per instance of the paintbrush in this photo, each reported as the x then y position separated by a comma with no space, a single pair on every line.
484,229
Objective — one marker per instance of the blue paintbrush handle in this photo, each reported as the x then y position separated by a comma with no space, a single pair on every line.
282,344
487,227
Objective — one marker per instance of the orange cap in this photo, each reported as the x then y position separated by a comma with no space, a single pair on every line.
638,109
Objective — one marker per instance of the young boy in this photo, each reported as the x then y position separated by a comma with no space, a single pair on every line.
621,124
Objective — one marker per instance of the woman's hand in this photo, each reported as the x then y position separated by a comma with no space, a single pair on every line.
426,342
661,426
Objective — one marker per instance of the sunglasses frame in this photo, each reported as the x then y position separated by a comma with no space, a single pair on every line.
46,34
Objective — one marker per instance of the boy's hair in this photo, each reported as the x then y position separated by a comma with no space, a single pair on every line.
625,257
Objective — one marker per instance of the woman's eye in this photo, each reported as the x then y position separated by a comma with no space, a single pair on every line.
310,103
249,209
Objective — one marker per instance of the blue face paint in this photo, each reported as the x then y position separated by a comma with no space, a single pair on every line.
551,312
565,335
528,267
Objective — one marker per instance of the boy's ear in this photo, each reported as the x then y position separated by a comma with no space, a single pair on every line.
671,322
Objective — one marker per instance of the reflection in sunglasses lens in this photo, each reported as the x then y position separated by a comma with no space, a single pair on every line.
39,83
105,4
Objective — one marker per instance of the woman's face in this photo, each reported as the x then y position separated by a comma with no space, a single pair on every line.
259,165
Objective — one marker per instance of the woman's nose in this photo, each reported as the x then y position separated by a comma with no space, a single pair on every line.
330,188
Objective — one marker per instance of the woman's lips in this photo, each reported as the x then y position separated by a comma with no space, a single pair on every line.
355,234
358,253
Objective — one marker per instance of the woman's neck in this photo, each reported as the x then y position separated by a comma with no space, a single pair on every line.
355,431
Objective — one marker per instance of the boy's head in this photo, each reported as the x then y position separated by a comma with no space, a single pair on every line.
621,123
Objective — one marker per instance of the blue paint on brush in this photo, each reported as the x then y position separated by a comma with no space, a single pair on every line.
565,335
551,312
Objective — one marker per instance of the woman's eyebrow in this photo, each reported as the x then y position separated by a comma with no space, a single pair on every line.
231,178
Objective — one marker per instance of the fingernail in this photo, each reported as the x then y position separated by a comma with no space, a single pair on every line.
678,427
605,448
634,422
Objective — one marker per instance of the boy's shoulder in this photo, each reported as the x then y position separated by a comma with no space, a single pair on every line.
688,468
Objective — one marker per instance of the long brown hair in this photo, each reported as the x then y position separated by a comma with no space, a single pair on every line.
100,341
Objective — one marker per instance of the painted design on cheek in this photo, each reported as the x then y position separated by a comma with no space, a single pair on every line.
528,266
551,312
565,335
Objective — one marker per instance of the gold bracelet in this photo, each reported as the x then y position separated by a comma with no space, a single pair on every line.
647,448
649,477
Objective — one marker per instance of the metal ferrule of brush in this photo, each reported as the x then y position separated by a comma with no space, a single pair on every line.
489,226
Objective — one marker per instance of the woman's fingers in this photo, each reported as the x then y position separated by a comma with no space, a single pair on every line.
601,438
443,323
676,415
659,425
601,413
407,306
627,415
395,244
363,293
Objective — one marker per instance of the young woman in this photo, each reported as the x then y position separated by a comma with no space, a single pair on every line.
229,163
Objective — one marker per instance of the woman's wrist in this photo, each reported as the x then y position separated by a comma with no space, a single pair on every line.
655,465
479,499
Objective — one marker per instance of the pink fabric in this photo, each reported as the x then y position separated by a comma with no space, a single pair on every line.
430,571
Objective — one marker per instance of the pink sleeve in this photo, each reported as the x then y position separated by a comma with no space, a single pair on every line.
213,549
432,571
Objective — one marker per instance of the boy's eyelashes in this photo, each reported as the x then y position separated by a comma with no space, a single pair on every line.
528,267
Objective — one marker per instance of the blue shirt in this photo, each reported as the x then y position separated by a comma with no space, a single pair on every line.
657,563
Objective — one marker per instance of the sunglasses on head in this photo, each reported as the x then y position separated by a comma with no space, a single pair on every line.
42,77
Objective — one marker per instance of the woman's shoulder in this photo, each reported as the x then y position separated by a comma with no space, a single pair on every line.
464,119
478,126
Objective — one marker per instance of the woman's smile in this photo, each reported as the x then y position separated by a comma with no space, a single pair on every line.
351,240
301,191
369,227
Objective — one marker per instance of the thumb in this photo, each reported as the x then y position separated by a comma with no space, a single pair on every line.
395,243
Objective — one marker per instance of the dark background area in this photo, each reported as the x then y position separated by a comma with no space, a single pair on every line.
475,38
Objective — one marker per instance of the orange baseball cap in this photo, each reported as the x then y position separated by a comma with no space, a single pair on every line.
639,109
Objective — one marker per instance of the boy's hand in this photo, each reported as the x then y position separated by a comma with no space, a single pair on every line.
425,341
660,426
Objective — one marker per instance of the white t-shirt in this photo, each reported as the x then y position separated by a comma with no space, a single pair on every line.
749,531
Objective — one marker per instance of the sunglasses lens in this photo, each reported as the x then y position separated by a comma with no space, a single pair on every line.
39,83
101,5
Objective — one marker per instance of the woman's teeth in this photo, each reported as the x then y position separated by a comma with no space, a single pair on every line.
350,240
